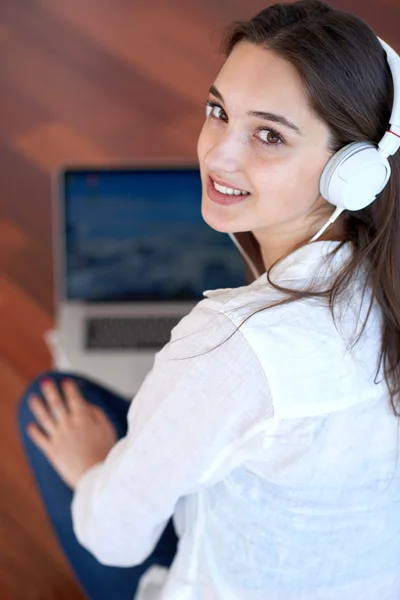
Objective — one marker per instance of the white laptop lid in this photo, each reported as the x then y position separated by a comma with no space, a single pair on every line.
136,234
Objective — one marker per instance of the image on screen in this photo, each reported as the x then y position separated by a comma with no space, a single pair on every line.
139,235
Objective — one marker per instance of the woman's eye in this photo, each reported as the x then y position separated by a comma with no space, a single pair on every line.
270,137
267,136
215,111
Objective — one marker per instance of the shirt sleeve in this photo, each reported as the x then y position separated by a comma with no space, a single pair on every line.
188,425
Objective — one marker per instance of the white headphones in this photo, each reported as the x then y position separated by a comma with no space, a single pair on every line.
357,173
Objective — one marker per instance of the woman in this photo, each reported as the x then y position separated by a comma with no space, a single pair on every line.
268,427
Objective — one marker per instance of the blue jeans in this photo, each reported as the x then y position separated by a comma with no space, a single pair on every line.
99,582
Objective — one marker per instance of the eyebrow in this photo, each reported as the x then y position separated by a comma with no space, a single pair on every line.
268,116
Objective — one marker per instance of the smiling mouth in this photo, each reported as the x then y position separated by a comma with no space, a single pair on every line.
224,195
229,191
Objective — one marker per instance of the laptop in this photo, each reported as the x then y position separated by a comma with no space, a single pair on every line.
132,256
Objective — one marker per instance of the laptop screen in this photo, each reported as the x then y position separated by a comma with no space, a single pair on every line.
139,235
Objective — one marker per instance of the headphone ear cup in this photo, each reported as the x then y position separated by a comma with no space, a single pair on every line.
354,176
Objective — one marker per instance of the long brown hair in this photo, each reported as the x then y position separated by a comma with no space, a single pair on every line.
350,88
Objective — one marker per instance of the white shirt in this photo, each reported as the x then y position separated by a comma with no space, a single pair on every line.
276,453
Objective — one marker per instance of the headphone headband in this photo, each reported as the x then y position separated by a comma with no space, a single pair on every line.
390,142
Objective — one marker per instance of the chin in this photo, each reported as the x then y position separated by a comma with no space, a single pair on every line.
216,221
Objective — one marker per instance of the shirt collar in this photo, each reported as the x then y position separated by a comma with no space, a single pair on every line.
309,261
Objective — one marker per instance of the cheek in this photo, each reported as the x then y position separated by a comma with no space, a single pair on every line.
274,171
286,184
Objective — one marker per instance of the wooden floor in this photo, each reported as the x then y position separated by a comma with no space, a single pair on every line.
86,80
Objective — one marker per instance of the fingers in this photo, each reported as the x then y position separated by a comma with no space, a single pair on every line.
50,412
73,397
59,407
42,414
40,439
54,399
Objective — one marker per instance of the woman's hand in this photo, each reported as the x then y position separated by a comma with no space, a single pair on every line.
77,435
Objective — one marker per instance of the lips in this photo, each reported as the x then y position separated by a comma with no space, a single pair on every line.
223,199
226,184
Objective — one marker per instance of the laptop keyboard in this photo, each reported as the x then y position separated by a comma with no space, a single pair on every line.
119,333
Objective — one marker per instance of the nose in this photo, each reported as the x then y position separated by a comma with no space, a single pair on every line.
226,153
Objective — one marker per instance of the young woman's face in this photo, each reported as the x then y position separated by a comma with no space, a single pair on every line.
281,171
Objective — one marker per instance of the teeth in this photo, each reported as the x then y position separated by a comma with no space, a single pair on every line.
229,191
